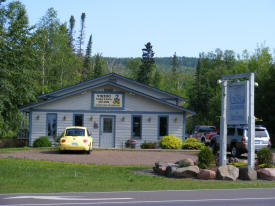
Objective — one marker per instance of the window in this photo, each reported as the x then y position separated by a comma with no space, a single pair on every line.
51,124
75,132
163,126
240,131
107,125
136,126
78,120
260,133
230,131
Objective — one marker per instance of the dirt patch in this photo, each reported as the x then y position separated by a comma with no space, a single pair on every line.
111,157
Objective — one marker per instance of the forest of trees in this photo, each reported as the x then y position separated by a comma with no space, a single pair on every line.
36,59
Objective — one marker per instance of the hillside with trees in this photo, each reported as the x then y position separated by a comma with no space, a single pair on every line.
36,59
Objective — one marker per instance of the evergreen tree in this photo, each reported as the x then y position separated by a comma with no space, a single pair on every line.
175,63
71,32
99,66
87,73
147,65
81,35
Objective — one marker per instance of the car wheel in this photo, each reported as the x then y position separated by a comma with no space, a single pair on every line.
234,151
89,151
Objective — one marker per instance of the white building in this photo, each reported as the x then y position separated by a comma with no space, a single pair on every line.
113,108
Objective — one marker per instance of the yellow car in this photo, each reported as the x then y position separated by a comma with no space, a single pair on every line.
76,138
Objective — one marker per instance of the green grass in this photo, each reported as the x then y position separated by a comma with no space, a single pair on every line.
25,176
5,150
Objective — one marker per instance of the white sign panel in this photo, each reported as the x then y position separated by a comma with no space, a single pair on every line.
107,100
237,103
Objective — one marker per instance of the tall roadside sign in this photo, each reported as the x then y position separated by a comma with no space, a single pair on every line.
238,109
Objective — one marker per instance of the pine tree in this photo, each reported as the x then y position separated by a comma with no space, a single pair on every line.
99,66
87,73
147,65
71,33
175,63
81,35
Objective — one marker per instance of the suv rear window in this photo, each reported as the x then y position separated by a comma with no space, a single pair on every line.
75,132
240,132
230,131
260,133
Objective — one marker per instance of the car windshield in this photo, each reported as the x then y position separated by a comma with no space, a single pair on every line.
207,129
260,133
75,132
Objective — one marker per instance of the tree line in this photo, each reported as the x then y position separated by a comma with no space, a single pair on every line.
47,56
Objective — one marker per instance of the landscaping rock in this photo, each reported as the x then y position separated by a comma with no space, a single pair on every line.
227,172
206,174
266,174
233,160
160,167
187,172
188,161
247,173
170,171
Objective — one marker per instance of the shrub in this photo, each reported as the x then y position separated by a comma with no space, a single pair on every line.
192,143
266,166
170,142
238,164
205,158
265,157
42,142
148,145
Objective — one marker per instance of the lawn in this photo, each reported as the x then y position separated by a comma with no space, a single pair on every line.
26,176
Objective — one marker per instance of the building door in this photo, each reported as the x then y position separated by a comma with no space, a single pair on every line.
107,131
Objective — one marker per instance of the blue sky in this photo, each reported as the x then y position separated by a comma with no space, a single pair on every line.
121,28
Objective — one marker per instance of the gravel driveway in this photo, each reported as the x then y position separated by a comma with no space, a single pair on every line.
110,157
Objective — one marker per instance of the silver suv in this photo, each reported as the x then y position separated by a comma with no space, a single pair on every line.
237,140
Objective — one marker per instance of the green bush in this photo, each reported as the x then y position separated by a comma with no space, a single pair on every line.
170,142
265,157
148,145
238,164
192,143
42,142
205,158
266,166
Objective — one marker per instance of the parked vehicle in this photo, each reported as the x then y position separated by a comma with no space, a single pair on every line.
237,140
204,133
76,138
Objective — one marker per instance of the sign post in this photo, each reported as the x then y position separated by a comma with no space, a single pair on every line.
223,125
238,109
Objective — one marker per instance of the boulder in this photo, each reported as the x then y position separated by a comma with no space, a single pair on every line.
266,174
187,161
170,171
160,167
206,174
187,172
247,173
233,160
227,172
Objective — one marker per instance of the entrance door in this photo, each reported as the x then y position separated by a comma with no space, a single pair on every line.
107,131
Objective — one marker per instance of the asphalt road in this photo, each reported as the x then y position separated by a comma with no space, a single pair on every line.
232,197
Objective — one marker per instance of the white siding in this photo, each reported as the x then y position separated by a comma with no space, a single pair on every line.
80,101
38,125
123,82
